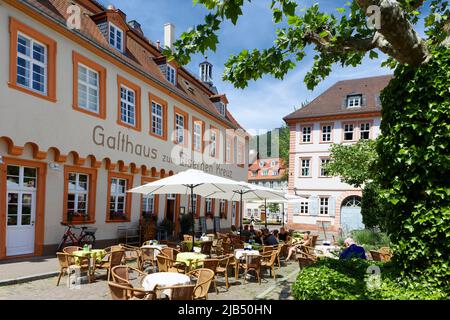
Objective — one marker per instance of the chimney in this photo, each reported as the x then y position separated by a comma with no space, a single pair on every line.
169,35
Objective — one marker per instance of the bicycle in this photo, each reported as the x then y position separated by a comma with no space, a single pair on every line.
86,236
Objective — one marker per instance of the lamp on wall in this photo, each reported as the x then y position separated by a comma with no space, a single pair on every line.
54,166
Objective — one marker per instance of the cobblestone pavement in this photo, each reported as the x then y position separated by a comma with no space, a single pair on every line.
269,289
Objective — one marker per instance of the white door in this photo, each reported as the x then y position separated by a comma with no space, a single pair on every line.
351,218
20,210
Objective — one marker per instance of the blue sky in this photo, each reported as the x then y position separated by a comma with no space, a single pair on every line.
264,103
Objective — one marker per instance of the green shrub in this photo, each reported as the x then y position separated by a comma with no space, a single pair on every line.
371,240
331,279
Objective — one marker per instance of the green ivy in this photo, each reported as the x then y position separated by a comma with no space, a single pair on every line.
414,168
331,279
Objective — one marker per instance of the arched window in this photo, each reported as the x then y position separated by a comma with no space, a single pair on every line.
352,202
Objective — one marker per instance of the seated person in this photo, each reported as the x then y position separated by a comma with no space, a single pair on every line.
352,250
252,230
258,237
306,241
269,239
246,232
284,235
275,233
234,229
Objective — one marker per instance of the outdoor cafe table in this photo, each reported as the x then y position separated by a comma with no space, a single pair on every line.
164,279
98,254
239,253
155,246
327,251
191,258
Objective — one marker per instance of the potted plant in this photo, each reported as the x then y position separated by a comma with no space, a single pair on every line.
118,216
76,217
149,226
168,226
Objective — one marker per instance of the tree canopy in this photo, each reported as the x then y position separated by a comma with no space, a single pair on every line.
343,36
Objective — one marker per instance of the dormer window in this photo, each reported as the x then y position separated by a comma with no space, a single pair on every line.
222,108
116,37
171,75
262,163
354,101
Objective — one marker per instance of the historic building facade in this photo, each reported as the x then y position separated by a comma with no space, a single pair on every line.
88,113
345,113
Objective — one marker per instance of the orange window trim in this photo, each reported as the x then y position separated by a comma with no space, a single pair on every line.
79,59
121,81
14,28
238,215
185,115
128,199
92,173
145,180
216,130
202,124
163,103
40,203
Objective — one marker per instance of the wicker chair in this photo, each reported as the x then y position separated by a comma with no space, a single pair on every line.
121,274
252,263
166,264
305,261
204,278
169,252
115,258
127,292
66,261
184,247
380,256
72,249
212,264
184,292
206,248
148,257
227,248
132,254
172,245
314,240
268,262
222,268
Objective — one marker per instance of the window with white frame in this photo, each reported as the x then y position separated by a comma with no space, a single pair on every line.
117,201
208,206
148,205
77,194
88,88
262,164
116,37
304,207
157,119
213,145
194,203
240,154
323,164
305,167
228,150
171,75
354,101
222,108
255,212
273,163
348,132
128,105
306,134
249,213
222,205
265,172
32,68
324,205
326,133
274,172
198,136
179,128
365,131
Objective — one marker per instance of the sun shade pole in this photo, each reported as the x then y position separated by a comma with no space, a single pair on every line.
265,208
241,209
192,213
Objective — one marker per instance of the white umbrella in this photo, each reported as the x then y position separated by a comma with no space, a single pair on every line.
247,191
189,182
